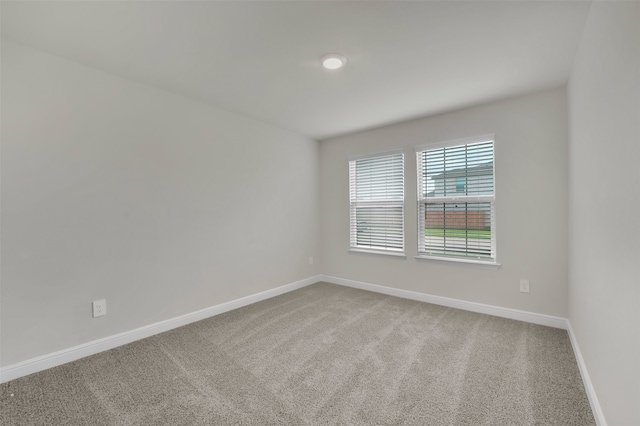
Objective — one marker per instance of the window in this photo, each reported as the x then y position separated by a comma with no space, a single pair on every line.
376,195
456,200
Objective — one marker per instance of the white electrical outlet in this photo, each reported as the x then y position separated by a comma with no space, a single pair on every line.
524,286
99,308
310,260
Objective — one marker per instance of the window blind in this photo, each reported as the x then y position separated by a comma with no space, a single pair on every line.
376,194
456,199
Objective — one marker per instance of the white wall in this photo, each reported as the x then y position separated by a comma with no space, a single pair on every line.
531,203
161,205
604,158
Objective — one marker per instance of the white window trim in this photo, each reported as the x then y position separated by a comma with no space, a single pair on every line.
368,250
375,154
463,141
451,259
491,263
393,253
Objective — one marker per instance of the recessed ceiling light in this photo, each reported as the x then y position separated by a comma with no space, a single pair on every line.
333,61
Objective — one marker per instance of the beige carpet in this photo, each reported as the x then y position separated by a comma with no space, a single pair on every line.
320,355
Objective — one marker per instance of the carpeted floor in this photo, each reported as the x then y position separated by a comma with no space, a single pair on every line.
320,355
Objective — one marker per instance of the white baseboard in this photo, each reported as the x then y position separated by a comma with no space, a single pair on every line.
14,371
64,356
588,386
532,317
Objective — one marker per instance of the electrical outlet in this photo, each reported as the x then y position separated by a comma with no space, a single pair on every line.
99,308
524,286
310,260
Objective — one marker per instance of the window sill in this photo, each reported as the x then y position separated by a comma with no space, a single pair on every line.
470,262
398,254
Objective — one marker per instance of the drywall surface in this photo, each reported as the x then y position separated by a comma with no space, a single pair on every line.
531,203
158,204
604,156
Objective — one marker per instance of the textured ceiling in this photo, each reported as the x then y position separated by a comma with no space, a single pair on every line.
260,59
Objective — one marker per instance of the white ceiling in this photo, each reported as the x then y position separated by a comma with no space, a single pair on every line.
260,59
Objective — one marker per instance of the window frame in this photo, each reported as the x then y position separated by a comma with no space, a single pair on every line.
353,204
491,261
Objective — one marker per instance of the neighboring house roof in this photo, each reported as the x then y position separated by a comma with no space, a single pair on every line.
479,170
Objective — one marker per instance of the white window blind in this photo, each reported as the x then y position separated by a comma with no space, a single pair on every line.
376,194
456,199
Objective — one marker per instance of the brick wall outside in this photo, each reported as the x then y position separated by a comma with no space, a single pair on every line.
455,220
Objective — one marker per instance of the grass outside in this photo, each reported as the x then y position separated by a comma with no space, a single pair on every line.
481,234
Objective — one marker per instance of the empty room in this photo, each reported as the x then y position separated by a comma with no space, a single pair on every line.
320,213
